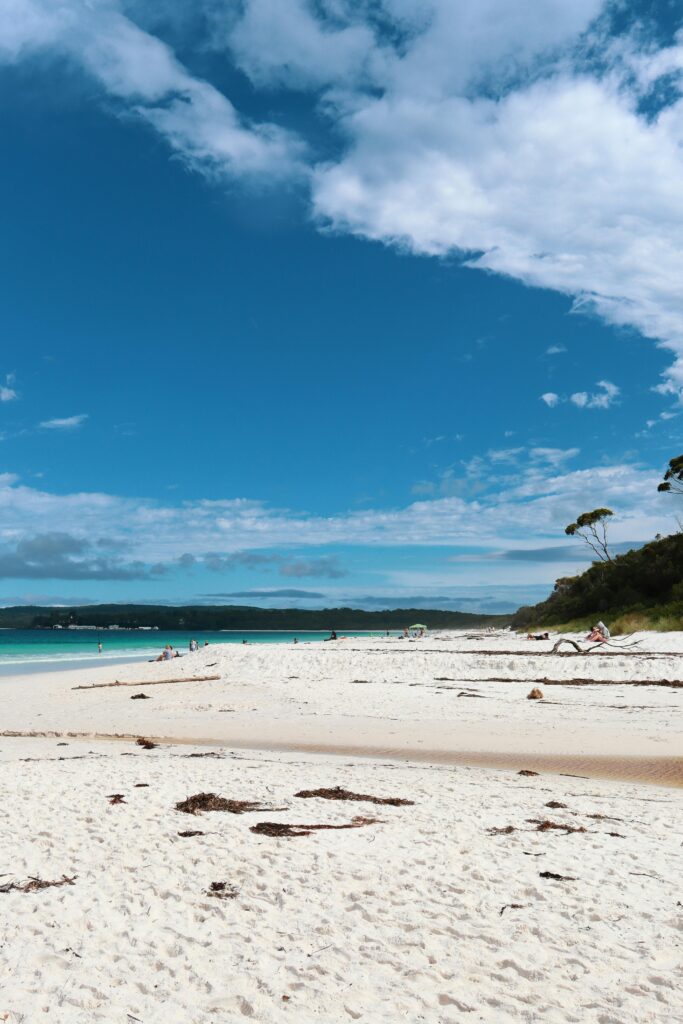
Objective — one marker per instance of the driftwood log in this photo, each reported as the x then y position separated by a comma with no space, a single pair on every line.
155,682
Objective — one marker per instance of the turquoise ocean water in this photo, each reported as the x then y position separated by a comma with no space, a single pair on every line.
24,650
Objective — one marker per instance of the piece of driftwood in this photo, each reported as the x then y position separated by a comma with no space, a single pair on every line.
156,682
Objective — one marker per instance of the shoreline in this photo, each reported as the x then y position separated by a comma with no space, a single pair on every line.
444,699
664,771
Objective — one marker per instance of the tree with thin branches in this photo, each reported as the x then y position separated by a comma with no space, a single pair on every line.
591,527
673,478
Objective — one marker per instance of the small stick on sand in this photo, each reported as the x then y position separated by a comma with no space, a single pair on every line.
155,682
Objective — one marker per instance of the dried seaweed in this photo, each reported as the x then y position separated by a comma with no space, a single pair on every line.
511,906
142,785
337,793
210,802
147,744
223,891
191,833
505,830
555,877
36,884
548,826
207,753
140,696
526,771
555,805
116,798
285,830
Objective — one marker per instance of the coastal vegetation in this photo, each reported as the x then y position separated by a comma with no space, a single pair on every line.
642,589
240,617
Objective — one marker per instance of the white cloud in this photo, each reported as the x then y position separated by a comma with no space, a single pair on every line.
555,350
483,128
554,456
139,70
7,394
550,399
530,506
68,423
602,399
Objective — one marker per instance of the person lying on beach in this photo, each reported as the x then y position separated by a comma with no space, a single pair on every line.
538,636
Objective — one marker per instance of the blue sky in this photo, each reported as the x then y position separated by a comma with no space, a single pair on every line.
334,303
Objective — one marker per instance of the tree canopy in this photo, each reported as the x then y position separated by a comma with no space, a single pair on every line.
673,478
591,527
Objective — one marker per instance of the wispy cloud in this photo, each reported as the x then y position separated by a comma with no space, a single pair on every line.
514,505
607,396
7,391
67,423
555,350
602,399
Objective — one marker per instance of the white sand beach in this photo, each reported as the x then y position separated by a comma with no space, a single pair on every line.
438,910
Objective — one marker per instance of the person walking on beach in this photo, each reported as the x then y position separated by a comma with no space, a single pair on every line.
99,646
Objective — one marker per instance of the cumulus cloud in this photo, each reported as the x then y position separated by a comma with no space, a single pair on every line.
550,399
528,139
67,423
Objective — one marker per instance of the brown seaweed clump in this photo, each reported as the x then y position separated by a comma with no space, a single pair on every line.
145,743
527,772
116,798
505,830
337,793
535,694
283,830
36,884
210,802
140,696
223,891
190,834
547,826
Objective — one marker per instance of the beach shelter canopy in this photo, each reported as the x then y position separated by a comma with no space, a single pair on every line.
417,625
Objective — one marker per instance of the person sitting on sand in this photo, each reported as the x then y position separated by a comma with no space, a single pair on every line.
166,654
599,633
332,636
